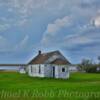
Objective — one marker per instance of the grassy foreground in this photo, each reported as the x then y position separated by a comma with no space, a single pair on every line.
80,86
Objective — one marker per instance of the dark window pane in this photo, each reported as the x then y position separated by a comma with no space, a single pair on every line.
39,69
31,69
63,69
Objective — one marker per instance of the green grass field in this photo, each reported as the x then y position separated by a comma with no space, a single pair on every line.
80,86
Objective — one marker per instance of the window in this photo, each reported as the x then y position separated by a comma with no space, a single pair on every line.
39,69
31,69
63,69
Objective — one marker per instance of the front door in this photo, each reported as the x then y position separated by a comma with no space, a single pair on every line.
53,72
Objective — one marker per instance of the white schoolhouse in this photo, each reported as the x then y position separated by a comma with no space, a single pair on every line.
52,64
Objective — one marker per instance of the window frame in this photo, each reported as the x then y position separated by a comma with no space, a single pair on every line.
31,69
63,69
39,69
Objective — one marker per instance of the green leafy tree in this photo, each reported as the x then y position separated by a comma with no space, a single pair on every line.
88,66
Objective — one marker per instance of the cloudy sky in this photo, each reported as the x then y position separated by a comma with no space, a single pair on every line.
71,26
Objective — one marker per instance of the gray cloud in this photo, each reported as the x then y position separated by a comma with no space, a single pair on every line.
75,24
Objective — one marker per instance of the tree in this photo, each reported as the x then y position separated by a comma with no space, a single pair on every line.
88,66
99,59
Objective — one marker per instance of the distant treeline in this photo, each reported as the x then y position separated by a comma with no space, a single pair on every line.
89,66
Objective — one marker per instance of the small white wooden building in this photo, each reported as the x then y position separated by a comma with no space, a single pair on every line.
22,70
52,64
73,68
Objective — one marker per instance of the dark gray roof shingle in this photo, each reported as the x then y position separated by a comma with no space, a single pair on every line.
54,57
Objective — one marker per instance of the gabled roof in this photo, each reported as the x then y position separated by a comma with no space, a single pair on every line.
60,62
54,57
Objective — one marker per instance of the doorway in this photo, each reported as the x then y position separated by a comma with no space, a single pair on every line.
53,72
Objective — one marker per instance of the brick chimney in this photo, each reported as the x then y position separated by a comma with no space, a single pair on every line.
39,52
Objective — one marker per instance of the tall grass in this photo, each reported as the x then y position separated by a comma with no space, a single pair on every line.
80,86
